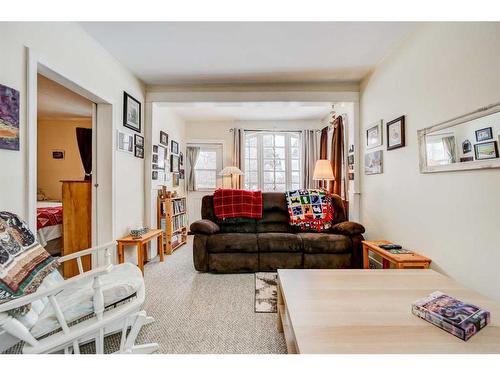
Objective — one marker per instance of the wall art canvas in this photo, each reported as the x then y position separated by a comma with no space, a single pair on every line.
174,147
131,113
374,135
175,179
9,118
374,162
162,155
396,133
174,163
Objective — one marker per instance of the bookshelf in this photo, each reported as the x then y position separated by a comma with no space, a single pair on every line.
172,219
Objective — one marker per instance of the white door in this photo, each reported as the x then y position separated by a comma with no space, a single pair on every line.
207,178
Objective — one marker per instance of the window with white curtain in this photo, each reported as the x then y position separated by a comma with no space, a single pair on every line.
207,167
272,161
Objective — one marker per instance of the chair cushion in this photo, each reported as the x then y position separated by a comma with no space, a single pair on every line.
279,242
77,301
324,243
232,243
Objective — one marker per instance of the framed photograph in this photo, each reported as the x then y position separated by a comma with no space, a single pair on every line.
155,148
374,162
396,133
155,166
139,152
466,158
131,113
155,158
486,150
174,163
163,138
58,154
350,160
175,179
125,142
466,146
374,135
154,175
182,174
9,118
484,134
139,140
161,176
181,159
174,147
162,155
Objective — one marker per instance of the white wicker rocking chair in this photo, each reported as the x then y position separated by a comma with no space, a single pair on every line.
94,286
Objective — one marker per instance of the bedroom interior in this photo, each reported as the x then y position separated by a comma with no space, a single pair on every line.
64,169
246,188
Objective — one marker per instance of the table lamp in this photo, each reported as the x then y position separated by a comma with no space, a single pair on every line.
323,172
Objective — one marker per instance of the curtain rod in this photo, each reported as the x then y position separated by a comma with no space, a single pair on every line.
268,130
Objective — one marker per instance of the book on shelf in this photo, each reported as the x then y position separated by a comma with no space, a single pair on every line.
178,206
178,222
461,319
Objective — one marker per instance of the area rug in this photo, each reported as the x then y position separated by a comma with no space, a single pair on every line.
266,292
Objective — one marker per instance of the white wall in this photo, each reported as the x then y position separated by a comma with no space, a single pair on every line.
78,57
58,134
442,71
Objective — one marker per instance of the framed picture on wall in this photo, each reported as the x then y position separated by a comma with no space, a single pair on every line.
139,140
58,154
396,133
155,149
174,163
484,134
131,113
374,162
374,135
139,152
162,155
486,150
125,142
466,146
163,138
175,179
9,118
174,147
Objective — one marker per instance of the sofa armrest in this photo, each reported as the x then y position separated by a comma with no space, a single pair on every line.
348,228
204,227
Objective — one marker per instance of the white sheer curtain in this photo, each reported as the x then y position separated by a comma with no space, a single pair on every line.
192,154
450,149
310,153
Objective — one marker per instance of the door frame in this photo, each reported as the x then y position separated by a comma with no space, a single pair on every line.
102,126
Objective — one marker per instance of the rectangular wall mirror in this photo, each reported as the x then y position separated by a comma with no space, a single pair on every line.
470,141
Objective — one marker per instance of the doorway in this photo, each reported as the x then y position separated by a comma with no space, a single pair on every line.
103,162
64,171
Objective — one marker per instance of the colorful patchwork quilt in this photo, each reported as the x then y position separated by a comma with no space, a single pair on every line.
23,262
310,209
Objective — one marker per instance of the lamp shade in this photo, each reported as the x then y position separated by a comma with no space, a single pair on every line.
323,170
229,171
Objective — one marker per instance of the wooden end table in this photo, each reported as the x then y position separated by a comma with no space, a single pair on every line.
400,261
141,244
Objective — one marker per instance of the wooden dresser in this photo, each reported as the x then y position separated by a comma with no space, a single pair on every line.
77,224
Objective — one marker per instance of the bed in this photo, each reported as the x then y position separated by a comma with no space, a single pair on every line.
49,215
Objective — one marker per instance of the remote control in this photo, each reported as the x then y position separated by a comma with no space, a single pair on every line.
390,247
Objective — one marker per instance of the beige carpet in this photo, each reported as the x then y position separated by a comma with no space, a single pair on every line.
205,313
200,312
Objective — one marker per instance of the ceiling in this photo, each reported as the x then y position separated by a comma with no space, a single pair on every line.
248,52
56,101
249,111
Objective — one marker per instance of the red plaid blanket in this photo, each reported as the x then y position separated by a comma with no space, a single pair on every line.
47,216
233,203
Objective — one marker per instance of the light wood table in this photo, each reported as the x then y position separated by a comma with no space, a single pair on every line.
141,244
369,311
413,260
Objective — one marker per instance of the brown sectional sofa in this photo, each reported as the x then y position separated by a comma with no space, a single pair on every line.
271,243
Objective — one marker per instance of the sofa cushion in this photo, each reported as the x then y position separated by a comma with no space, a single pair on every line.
279,242
274,220
324,243
232,243
349,228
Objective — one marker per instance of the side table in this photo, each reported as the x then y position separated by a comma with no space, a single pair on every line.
141,244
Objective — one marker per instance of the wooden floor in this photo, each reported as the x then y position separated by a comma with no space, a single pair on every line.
369,311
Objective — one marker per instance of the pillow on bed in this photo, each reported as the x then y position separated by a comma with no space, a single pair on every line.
24,264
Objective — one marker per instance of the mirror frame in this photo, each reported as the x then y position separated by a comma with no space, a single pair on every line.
468,165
